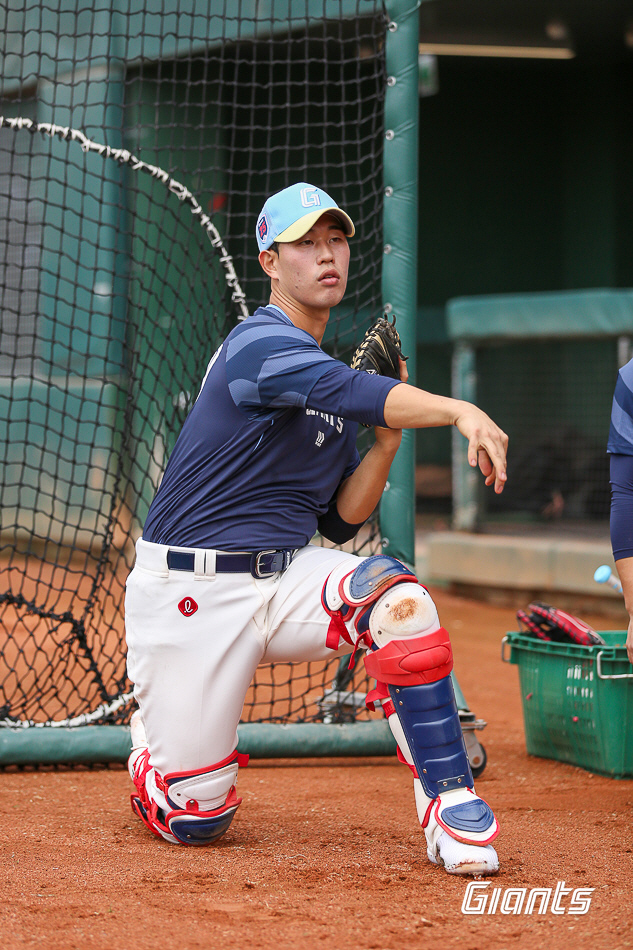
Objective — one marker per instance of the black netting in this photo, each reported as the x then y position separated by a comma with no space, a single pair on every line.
554,397
113,298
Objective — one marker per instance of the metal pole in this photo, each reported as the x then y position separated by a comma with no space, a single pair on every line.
399,275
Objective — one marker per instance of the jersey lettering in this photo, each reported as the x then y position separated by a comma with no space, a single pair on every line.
335,421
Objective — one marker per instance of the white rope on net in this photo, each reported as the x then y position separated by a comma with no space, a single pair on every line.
124,157
101,712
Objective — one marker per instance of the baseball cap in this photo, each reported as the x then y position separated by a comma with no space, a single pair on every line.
289,214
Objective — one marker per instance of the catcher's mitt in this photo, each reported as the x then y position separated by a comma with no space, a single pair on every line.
549,623
380,350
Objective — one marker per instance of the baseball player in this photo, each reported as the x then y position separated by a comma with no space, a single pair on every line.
620,448
225,576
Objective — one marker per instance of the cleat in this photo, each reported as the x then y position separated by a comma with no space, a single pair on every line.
459,858
459,828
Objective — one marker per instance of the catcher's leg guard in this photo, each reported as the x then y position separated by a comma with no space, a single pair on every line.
410,656
202,802
194,808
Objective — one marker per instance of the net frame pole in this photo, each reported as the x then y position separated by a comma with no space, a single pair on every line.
400,257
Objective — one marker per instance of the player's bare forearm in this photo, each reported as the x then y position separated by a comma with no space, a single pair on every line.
408,407
360,493
625,572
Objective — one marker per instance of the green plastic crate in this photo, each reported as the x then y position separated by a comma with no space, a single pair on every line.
577,701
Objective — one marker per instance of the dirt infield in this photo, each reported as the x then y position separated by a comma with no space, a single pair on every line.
326,853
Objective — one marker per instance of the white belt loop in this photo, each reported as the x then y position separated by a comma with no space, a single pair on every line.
209,563
204,563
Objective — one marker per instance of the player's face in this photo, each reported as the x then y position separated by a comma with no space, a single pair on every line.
313,270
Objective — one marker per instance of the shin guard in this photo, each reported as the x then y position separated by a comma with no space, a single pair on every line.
411,660
381,604
430,722
418,694
202,806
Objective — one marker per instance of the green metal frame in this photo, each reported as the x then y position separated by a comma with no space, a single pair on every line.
465,480
559,315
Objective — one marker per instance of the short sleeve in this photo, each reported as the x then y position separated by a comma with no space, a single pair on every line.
351,394
272,366
621,429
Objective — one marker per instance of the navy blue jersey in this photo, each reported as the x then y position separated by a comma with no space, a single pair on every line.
621,430
267,443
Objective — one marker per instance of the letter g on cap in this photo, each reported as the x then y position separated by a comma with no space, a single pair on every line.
310,198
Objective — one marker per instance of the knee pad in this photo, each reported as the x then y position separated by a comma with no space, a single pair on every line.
350,594
200,804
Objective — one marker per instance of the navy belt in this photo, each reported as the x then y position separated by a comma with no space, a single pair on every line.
259,564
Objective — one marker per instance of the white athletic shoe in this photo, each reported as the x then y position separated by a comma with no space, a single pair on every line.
459,858
137,731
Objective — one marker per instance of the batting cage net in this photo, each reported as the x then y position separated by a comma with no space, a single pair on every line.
137,148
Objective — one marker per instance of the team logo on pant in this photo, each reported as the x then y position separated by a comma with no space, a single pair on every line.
187,606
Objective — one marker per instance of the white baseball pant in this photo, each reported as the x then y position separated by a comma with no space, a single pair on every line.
191,670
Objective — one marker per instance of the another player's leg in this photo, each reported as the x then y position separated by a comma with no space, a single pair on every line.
381,605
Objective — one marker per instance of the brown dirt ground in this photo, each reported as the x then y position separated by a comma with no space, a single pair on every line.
323,853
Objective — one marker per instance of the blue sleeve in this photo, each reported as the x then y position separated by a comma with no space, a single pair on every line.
621,429
622,506
272,367
351,394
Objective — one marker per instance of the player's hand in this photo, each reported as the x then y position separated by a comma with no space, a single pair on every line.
487,444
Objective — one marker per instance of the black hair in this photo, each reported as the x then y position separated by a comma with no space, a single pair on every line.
274,247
